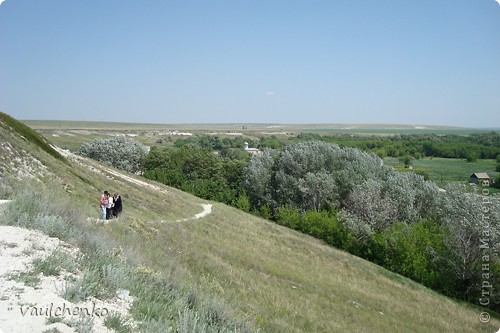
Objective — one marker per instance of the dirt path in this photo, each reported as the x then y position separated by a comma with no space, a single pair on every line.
207,209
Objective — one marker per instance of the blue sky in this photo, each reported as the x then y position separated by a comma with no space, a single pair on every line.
434,62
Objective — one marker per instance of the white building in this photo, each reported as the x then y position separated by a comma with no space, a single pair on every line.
252,151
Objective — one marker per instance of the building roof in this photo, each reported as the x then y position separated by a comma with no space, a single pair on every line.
480,175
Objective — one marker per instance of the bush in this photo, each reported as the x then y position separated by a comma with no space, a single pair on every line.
288,216
120,152
242,203
413,251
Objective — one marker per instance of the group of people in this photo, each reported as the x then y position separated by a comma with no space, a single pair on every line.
111,206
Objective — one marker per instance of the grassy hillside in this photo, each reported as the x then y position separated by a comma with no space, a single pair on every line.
287,282
24,131
275,279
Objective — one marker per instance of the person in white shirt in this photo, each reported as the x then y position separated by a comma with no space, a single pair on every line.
109,207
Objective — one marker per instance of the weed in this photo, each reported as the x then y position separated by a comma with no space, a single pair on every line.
52,330
50,266
57,261
116,322
28,251
8,245
84,324
52,320
27,278
81,289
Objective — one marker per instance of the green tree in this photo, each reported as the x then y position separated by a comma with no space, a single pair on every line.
406,160
413,251
471,156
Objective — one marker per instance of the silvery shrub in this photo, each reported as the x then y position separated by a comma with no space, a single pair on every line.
120,152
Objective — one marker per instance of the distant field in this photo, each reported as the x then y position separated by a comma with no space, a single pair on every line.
447,170
377,129
71,134
388,131
122,126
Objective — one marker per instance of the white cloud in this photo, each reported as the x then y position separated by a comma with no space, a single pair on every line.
498,1
4,0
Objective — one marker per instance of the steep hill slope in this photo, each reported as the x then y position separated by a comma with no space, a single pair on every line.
275,279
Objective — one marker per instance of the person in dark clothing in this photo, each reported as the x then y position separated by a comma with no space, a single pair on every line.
117,208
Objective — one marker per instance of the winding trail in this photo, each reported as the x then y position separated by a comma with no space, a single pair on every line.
207,209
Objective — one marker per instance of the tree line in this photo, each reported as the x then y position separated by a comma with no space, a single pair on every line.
471,147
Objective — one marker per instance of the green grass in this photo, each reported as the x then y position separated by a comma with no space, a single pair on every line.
448,170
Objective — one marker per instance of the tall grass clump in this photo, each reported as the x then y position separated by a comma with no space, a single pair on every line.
52,265
49,210
117,323
7,185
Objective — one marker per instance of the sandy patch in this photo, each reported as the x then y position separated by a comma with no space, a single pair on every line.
25,308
